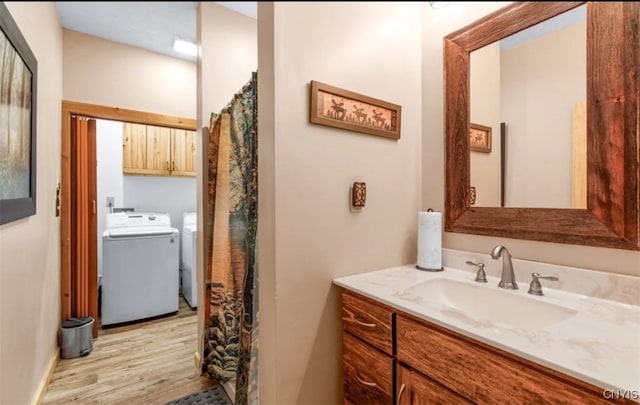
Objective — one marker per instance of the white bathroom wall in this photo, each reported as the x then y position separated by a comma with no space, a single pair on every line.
547,75
30,247
106,73
307,233
108,174
485,110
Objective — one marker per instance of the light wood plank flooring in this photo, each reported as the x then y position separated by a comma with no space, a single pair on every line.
146,363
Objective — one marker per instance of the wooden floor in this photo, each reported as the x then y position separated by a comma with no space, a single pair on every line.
146,363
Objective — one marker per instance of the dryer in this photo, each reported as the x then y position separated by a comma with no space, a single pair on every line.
188,265
140,269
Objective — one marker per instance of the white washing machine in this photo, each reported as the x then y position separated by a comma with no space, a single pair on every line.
140,267
188,265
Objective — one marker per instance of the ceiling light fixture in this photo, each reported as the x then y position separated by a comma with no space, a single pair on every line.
438,5
186,47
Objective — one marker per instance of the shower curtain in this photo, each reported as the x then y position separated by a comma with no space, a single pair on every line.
231,335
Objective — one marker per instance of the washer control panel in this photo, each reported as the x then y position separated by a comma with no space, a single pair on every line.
140,219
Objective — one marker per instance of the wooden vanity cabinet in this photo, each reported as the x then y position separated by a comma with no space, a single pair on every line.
367,341
390,357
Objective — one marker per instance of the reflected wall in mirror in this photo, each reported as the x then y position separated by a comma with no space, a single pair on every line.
532,82
611,216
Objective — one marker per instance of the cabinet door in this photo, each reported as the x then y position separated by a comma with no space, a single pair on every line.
158,150
183,152
415,389
134,148
463,365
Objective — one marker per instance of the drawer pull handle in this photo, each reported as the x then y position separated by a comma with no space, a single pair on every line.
368,325
401,392
361,381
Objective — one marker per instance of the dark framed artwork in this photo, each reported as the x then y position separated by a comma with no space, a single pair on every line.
18,79
339,108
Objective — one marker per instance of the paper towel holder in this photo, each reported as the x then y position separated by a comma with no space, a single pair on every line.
424,268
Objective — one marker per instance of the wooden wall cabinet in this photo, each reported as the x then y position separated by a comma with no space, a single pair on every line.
134,148
158,151
183,152
391,357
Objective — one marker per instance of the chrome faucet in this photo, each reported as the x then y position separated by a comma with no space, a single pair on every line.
535,288
508,279
481,276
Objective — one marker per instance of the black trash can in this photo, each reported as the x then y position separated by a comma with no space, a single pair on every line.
76,337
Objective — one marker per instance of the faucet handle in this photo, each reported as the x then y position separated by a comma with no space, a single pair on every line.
535,287
481,276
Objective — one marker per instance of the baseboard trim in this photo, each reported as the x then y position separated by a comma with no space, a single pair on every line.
230,389
196,360
46,378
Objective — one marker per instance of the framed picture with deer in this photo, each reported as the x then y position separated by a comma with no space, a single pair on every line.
480,138
339,108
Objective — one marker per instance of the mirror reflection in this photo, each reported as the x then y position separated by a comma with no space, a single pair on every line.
528,117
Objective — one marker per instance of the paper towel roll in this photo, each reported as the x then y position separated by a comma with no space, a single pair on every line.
430,241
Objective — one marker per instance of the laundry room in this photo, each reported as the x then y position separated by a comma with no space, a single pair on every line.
146,178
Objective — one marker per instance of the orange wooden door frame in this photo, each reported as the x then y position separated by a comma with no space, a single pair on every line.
67,234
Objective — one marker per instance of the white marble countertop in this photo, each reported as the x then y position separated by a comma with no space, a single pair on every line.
599,345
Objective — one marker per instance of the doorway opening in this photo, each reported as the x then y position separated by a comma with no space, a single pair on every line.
80,281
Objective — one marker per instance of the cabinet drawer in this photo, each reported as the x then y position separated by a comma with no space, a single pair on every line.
482,374
368,373
368,320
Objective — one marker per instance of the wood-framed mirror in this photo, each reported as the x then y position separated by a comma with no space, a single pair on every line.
612,215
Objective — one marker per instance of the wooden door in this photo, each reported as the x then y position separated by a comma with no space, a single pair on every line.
183,152
158,150
134,148
84,274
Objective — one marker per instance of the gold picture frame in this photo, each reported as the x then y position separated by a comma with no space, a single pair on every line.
339,108
480,138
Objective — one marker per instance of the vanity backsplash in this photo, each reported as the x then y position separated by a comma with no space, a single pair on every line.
615,287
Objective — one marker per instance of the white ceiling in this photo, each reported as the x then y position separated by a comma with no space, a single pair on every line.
148,25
